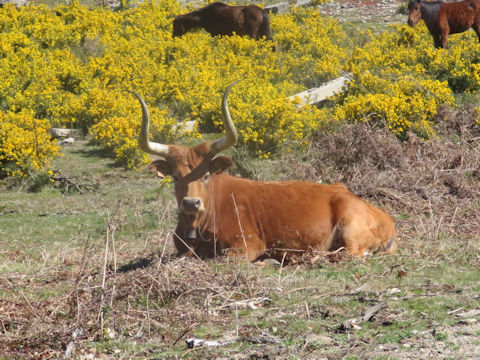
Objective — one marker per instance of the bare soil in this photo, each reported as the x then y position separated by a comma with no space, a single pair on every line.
361,11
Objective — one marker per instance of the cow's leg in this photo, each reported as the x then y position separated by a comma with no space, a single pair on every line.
248,247
373,245
356,240
476,27
444,37
437,39
255,251
374,233
444,41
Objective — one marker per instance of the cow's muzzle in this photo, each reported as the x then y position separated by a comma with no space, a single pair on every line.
190,205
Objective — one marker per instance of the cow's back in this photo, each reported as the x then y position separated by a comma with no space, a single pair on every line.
220,19
295,215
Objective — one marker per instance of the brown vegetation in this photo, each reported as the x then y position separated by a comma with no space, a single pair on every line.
150,298
439,177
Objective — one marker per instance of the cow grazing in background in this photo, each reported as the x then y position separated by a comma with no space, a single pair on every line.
221,19
219,211
442,18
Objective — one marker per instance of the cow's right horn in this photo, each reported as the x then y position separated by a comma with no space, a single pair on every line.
231,135
143,142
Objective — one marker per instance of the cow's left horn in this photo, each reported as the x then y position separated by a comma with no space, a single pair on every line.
231,135
143,142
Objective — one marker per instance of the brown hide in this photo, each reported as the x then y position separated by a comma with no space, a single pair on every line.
220,212
222,19
256,216
443,18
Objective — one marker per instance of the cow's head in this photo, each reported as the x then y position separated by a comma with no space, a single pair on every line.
414,12
190,167
179,26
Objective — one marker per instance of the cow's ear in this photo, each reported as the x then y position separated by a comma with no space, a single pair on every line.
220,164
160,168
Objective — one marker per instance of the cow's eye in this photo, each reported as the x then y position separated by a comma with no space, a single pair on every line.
206,177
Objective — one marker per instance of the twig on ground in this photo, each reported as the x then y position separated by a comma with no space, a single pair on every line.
240,226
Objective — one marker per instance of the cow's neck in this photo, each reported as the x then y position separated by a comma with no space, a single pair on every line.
191,22
430,14
222,202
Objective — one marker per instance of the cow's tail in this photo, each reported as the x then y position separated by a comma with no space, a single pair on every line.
391,246
264,29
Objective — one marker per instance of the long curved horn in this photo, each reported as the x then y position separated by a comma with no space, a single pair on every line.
143,142
231,135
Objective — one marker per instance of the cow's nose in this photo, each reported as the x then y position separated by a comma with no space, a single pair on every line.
191,205
410,22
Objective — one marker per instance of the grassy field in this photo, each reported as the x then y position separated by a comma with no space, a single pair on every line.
88,269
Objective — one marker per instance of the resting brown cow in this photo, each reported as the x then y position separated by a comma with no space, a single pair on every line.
221,19
219,212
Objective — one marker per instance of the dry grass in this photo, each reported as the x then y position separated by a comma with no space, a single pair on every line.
117,291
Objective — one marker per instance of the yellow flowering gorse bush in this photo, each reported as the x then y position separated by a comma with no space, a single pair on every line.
71,66
25,144
401,80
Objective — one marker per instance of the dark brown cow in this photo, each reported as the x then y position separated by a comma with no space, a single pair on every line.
442,18
219,211
221,19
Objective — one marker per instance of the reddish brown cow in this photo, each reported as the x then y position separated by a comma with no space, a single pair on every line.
222,19
219,212
442,18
